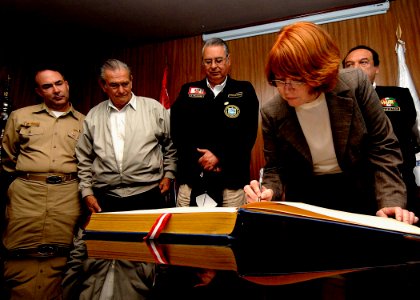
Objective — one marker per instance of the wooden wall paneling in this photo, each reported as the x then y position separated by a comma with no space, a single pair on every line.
378,32
144,62
184,59
249,57
22,86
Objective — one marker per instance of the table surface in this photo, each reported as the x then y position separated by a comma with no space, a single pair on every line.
254,269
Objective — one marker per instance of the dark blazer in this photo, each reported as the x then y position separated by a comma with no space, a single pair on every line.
226,125
365,145
399,107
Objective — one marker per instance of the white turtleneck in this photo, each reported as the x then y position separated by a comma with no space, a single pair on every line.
315,122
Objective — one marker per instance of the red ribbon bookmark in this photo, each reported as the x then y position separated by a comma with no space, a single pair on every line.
158,226
157,252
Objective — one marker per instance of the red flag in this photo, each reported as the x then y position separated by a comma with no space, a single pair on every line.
164,97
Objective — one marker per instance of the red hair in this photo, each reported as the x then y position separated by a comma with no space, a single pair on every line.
305,52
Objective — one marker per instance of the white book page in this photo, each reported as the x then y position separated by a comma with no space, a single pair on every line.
176,210
366,220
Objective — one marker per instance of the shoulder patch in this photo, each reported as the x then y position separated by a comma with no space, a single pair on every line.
390,104
195,92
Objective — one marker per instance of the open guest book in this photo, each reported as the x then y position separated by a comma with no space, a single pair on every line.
262,219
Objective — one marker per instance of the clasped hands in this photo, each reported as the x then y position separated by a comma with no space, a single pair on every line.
253,193
208,161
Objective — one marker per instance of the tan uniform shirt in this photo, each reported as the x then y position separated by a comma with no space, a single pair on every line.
36,141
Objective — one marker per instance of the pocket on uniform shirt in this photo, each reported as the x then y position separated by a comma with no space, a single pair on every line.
74,134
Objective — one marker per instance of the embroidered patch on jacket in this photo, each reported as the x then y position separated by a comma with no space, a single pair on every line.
195,92
390,104
232,111
237,95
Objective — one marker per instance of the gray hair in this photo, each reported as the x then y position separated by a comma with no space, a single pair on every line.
113,64
215,42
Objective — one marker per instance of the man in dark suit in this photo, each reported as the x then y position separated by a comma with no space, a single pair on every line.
214,125
399,107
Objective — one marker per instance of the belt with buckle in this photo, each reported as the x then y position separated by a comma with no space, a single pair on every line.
51,178
45,250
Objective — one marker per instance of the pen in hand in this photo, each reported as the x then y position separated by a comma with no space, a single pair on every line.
260,183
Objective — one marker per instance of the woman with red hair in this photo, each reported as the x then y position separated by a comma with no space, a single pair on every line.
327,140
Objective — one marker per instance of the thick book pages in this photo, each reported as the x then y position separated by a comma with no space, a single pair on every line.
184,221
231,222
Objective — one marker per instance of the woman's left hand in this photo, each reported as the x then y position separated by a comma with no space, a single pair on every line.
399,214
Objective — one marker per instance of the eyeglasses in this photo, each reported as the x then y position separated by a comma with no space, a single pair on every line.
292,83
218,61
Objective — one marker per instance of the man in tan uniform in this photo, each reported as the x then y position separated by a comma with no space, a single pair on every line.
43,201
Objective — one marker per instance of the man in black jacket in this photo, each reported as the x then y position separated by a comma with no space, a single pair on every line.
214,125
398,105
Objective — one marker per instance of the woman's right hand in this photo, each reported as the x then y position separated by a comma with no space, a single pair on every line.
254,194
